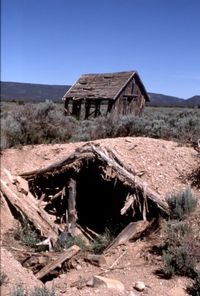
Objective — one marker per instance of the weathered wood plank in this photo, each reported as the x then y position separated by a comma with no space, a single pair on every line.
30,210
132,231
66,255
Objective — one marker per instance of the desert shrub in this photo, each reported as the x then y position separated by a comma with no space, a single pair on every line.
196,286
69,242
3,278
19,290
102,241
195,177
38,291
26,234
45,123
36,124
130,126
194,290
181,204
178,255
95,128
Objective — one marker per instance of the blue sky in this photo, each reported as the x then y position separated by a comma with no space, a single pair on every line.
55,41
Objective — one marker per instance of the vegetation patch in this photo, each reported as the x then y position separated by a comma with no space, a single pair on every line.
179,254
181,204
26,235
19,290
3,278
45,123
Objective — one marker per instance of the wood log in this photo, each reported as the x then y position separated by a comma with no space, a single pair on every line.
72,215
30,210
133,180
128,203
132,231
109,158
22,185
66,255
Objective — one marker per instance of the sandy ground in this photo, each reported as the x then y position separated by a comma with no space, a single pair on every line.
164,166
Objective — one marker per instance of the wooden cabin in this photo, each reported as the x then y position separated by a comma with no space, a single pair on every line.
120,93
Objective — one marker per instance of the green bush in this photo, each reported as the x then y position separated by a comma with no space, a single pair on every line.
178,255
102,241
196,286
3,278
19,290
38,291
36,124
69,242
26,234
181,204
45,123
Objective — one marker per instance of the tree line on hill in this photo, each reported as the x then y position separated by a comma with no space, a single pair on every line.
29,92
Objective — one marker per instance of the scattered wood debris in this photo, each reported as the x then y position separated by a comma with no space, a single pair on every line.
81,193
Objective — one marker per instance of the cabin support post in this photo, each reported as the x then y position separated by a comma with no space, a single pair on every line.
97,108
76,108
109,109
87,108
66,111
72,215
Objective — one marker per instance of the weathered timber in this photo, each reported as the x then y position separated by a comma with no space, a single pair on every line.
72,215
66,255
22,185
109,159
30,210
57,165
128,203
132,231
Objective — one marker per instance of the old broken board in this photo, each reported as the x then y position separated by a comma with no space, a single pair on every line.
66,255
111,160
27,205
132,231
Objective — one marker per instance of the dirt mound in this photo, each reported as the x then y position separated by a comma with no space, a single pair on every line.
163,165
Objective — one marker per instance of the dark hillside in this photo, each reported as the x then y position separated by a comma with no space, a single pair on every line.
12,91
29,92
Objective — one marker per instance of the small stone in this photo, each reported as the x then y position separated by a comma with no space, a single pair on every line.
177,291
78,267
132,294
139,286
107,283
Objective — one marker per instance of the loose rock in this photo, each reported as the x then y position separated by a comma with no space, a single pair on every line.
108,283
139,286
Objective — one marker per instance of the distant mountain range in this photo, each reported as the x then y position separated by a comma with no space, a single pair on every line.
15,91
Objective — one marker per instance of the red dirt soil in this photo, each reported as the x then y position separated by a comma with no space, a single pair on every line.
163,165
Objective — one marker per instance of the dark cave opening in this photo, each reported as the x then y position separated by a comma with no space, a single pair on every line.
99,200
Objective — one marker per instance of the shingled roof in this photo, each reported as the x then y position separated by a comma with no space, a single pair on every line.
103,86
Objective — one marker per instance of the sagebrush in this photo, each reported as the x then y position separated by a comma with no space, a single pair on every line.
45,123
181,204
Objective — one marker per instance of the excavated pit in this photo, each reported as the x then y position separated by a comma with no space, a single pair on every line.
99,197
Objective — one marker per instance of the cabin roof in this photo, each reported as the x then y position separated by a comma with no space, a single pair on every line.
103,86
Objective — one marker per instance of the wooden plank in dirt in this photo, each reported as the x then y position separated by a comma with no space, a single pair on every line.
132,231
66,255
